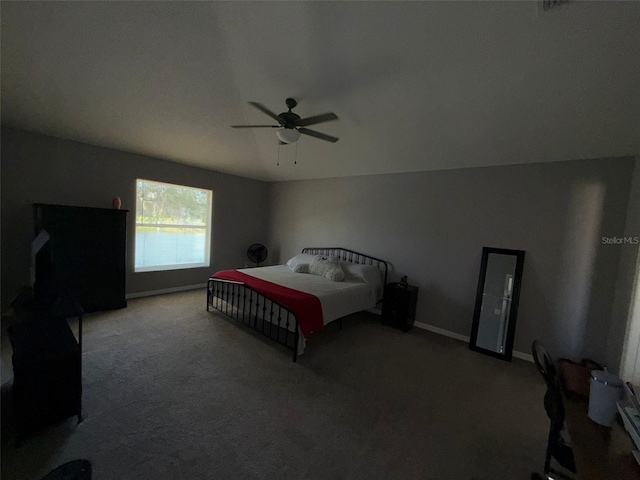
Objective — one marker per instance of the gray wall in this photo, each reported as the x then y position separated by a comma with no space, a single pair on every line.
42,169
432,226
628,266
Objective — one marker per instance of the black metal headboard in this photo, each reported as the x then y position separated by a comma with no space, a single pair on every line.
349,256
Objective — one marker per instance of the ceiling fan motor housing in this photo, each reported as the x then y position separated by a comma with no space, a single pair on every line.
289,119
291,103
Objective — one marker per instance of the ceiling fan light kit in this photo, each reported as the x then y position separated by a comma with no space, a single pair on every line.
288,135
291,125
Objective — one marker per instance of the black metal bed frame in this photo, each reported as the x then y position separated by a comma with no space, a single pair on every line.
266,316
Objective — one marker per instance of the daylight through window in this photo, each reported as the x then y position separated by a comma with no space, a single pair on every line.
173,226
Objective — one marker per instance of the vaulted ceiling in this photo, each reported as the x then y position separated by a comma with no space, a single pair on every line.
417,85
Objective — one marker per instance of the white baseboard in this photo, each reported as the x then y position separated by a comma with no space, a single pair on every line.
523,356
151,293
441,331
464,338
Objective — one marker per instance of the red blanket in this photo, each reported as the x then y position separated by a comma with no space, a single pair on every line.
306,307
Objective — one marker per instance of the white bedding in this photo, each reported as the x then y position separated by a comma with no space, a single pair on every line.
338,299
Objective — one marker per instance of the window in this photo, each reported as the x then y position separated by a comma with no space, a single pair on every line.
173,226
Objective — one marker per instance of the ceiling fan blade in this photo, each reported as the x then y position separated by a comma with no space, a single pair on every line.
264,109
319,135
325,117
256,126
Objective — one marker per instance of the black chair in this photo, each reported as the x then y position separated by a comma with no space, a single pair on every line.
557,448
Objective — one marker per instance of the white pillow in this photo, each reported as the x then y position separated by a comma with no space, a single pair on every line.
301,268
328,267
300,259
369,273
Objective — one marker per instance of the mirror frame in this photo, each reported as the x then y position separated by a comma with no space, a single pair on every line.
515,298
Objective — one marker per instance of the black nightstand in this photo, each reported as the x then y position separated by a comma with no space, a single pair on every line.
399,306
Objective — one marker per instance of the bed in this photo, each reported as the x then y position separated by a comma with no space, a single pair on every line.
288,306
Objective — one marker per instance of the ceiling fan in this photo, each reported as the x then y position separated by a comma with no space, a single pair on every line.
291,125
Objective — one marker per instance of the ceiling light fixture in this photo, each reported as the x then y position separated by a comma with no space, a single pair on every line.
291,125
288,135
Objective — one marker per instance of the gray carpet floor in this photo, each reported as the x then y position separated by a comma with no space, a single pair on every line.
174,392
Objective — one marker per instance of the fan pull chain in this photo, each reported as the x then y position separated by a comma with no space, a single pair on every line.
295,161
278,164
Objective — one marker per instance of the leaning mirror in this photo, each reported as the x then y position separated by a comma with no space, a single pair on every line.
494,318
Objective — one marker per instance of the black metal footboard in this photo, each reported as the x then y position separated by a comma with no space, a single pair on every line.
245,305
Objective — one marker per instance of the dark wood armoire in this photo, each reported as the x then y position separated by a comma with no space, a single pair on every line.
84,257
79,264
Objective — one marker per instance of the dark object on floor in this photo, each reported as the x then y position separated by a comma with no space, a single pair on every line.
576,376
6,413
557,448
47,364
73,470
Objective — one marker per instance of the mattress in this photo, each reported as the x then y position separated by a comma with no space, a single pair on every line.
338,299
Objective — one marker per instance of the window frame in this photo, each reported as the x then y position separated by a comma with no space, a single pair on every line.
207,229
